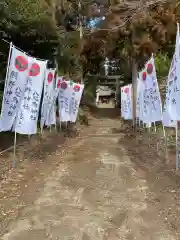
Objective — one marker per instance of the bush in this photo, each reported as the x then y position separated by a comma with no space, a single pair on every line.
162,62
30,26
82,117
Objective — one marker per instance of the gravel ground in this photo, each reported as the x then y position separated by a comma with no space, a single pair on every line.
106,183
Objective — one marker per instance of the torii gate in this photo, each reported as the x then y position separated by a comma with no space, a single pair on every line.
109,80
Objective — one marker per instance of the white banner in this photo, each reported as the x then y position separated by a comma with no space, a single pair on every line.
167,111
52,113
127,102
76,94
152,106
138,99
14,88
122,102
155,97
64,99
29,109
47,97
146,115
172,105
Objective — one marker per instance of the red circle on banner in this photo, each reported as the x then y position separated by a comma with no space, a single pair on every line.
21,63
149,68
35,70
144,76
64,85
126,90
59,83
50,77
76,88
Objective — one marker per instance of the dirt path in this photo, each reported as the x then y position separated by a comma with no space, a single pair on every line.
98,192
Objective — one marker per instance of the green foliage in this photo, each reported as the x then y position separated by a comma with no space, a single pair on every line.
88,97
89,94
68,54
82,117
30,26
162,62
29,18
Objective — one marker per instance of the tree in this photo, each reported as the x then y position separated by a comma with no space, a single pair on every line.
70,45
137,37
29,25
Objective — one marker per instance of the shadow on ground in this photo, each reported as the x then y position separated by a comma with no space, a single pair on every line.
102,112
7,140
34,148
148,157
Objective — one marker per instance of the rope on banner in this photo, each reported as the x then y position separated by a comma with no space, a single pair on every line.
23,51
